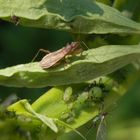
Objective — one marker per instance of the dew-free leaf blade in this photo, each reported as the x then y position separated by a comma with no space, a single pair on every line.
23,107
91,64
82,16
52,105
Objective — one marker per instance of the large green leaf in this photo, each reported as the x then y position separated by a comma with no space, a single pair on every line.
52,105
86,66
82,16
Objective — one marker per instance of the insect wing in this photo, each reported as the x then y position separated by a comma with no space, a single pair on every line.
101,131
52,58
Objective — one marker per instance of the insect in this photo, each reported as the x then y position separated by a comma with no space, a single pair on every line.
99,120
15,19
101,130
67,94
68,116
94,92
68,98
54,58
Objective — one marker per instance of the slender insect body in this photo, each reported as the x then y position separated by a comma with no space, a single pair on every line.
51,59
101,131
54,58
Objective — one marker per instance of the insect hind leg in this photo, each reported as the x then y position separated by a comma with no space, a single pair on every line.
40,50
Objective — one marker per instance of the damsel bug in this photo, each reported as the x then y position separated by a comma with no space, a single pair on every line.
54,58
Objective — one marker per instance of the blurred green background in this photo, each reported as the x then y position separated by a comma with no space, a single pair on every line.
19,45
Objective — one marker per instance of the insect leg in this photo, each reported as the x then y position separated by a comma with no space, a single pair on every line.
40,50
66,60
82,42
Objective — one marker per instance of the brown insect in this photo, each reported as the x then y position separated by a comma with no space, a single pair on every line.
54,58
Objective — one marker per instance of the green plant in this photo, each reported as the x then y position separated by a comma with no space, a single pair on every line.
113,56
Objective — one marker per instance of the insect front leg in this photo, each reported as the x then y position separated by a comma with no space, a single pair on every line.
66,61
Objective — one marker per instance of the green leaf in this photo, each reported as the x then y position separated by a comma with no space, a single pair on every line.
23,107
82,16
68,126
128,7
91,64
46,120
52,105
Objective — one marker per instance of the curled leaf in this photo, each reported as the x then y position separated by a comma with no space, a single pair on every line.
23,107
